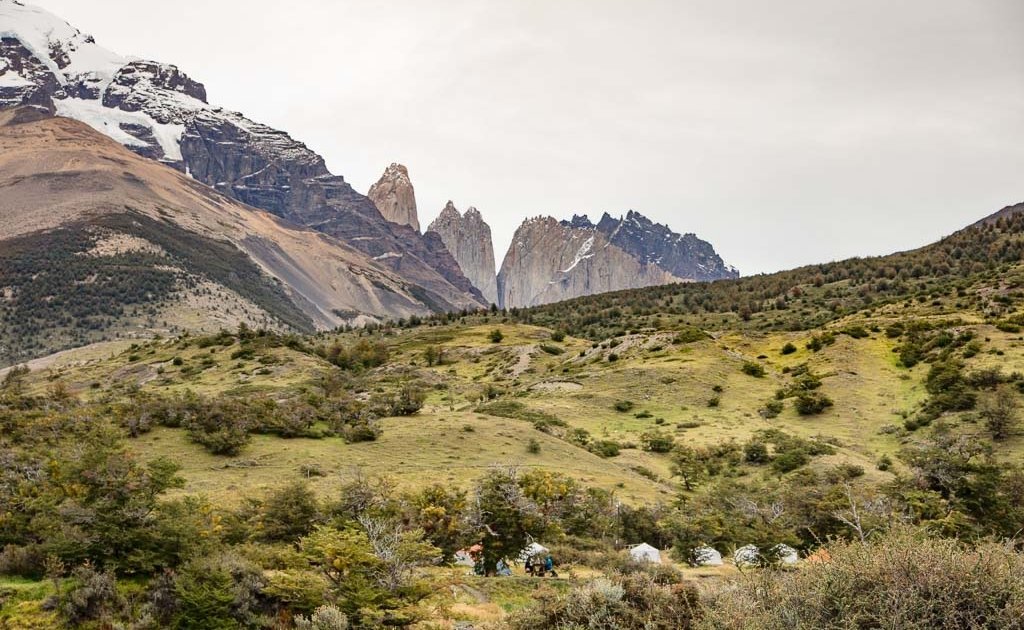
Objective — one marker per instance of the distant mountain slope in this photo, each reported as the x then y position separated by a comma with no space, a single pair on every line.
979,268
159,112
97,242
551,260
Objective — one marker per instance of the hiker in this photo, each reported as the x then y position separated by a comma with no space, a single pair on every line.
549,566
529,565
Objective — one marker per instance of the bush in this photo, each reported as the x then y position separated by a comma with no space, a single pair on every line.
857,332
323,618
756,452
630,602
772,409
604,448
811,403
624,406
533,446
790,460
753,369
657,442
902,579
90,596
496,336
558,336
789,348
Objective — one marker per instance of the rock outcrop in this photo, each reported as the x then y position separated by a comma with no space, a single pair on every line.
160,113
468,238
682,255
395,197
551,261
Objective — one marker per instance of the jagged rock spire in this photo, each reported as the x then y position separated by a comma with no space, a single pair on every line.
395,197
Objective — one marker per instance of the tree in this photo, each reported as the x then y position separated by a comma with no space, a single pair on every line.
288,513
496,336
370,567
1000,414
504,517
440,511
99,504
688,465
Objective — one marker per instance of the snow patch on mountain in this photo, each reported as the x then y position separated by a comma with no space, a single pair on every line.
110,122
582,254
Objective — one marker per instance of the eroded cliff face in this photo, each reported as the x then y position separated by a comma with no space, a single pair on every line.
468,238
550,261
682,255
157,111
395,197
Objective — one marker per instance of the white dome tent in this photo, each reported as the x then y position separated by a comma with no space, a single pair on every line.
785,554
747,556
706,557
530,551
645,553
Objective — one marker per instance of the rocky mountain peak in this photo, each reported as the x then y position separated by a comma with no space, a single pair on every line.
395,197
159,112
552,260
448,213
468,238
580,221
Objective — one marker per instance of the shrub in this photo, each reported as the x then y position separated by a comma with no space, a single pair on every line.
604,448
323,618
811,403
756,452
496,336
789,348
772,409
629,602
857,332
550,349
90,596
533,446
558,336
689,334
624,406
935,584
753,369
790,460
657,442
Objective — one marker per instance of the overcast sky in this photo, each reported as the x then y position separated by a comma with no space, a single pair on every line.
784,132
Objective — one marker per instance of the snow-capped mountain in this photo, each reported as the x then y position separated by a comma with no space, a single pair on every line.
158,111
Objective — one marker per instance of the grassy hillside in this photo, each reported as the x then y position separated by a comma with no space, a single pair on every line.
883,393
